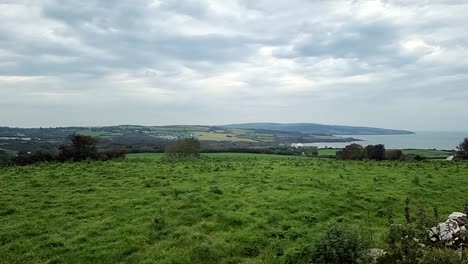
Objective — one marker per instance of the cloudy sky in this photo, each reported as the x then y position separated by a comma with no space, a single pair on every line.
393,64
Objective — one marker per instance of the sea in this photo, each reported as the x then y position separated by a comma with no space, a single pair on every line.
419,140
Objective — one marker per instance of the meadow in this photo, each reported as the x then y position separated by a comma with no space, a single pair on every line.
221,208
428,153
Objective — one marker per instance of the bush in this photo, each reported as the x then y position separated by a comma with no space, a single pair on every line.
408,243
375,152
413,157
440,257
4,158
188,147
340,243
462,152
27,158
394,154
81,148
113,154
351,152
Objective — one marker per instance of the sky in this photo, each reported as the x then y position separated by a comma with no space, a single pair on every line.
391,64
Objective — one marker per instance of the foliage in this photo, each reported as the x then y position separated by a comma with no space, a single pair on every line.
340,243
81,148
378,152
375,152
393,154
357,152
182,148
23,159
351,152
462,148
4,158
413,157
408,243
440,256
113,154
403,239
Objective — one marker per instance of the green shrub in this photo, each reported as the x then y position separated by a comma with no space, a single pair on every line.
340,243
24,159
351,152
440,257
375,152
81,148
4,158
393,154
113,154
462,148
183,148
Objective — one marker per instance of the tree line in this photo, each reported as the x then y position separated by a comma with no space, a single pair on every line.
80,148
371,152
378,152
462,148
85,148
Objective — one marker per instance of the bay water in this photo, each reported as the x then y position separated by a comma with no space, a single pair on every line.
419,140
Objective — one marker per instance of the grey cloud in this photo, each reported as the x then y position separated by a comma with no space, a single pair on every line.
220,61
350,41
125,31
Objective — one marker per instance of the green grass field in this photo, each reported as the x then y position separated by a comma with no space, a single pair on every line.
221,137
222,208
428,152
421,152
98,133
327,152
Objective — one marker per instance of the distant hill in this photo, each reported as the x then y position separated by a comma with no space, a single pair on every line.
318,129
135,138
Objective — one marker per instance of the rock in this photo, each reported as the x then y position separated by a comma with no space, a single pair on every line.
375,252
456,215
448,231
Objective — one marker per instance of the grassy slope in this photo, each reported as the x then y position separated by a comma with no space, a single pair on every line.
224,208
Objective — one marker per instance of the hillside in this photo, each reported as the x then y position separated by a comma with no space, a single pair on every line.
319,129
136,138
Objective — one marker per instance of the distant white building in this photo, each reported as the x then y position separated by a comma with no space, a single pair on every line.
297,145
